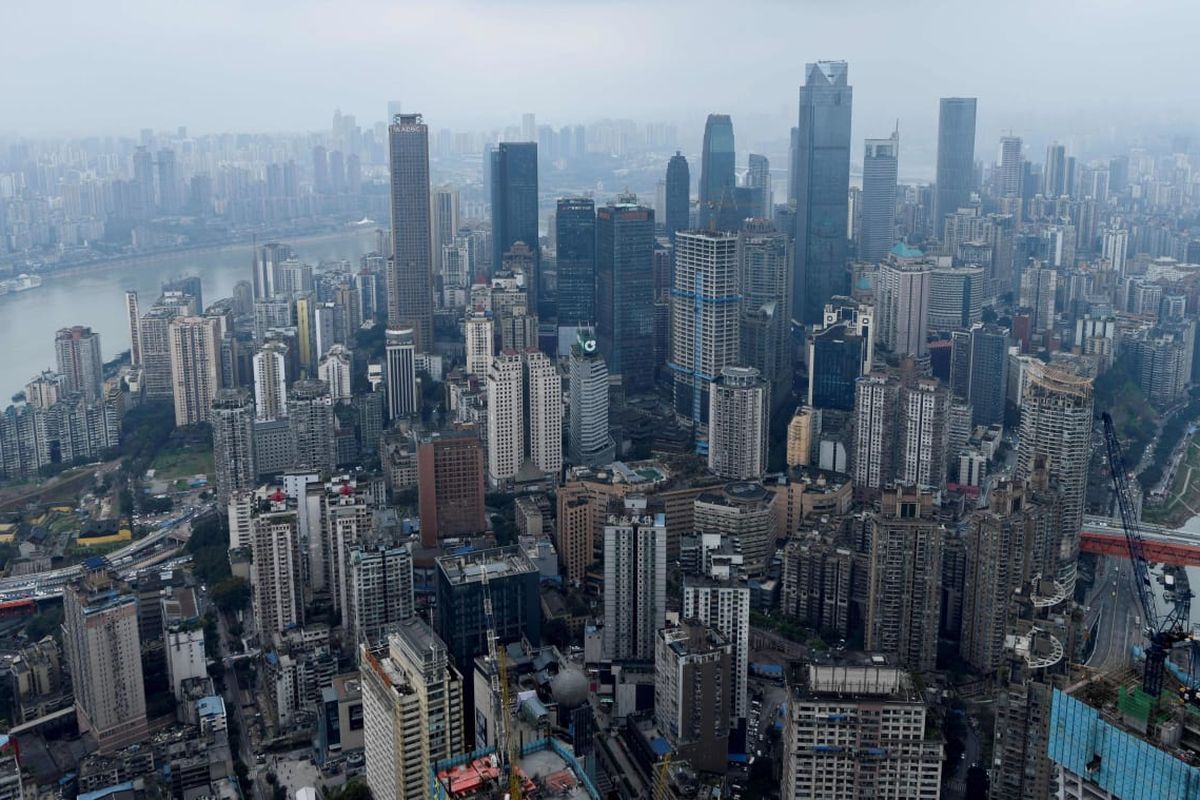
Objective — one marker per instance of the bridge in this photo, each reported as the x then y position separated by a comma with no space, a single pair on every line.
1105,536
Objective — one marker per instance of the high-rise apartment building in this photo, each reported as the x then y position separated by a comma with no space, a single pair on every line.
1012,167
904,286
80,363
988,373
923,433
692,676
821,188
873,439
724,605
625,292
739,423
410,293
270,382
758,179
743,511
635,578
1054,172
1039,285
450,484
904,597
678,200
764,283
880,167
232,420
310,421
445,223
276,592
575,259
873,711
400,373
705,318
479,330
413,714
380,585
524,414
103,649
718,207
154,338
514,193
955,297
589,442
195,350
334,369
955,156
133,319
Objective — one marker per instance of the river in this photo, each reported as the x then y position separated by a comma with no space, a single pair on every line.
95,297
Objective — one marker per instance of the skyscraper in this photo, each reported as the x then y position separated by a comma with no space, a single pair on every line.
310,419
380,587
880,166
270,382
409,279
873,443
450,483
706,318
821,187
988,374
588,438
955,297
625,291
923,433
904,303
514,193
277,596
195,366
1012,167
575,247
738,424
955,157
77,351
524,415
400,374
103,649
1054,172
479,329
724,605
758,178
765,275
445,224
635,578
692,676
718,207
133,317
232,420
678,189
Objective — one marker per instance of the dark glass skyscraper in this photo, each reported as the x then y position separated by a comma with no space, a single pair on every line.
955,157
575,235
514,177
409,279
821,185
880,162
625,291
679,189
717,183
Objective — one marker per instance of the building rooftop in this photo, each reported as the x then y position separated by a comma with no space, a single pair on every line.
499,562
858,681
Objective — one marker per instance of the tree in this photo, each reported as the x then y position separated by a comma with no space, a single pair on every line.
232,594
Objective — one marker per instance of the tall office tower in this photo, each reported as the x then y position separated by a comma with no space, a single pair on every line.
1056,426
133,317
575,260
589,442
450,484
839,353
764,282
334,370
739,401
270,382
742,511
479,329
923,433
80,363
514,191
1039,285
168,182
904,304
874,710
143,202
195,367
320,167
1054,172
625,292
635,578
528,127
758,178
904,599
1115,248
310,420
400,373
821,187
410,292
380,585
988,374
445,223
412,710
873,443
276,594
232,420
679,194
955,297
880,167
692,676
1012,168
705,318
955,156
718,209
725,606
512,583
100,635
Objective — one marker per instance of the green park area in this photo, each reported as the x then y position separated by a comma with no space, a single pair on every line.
182,462
1183,501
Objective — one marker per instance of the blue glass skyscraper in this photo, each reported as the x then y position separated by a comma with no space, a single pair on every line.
717,183
679,188
821,186
955,157
575,235
625,291
514,188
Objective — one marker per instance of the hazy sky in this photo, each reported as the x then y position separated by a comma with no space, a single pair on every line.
1065,68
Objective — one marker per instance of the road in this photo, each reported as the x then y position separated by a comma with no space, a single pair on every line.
233,705
1115,613
956,784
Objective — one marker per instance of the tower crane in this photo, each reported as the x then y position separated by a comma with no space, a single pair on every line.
1163,632
506,744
